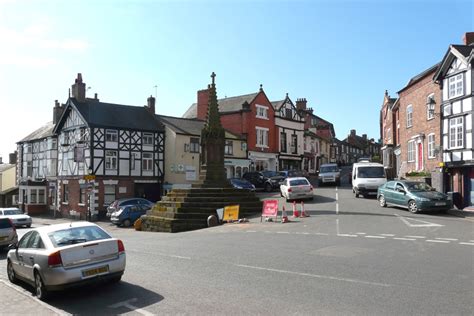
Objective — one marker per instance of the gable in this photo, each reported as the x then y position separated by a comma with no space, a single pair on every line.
457,65
288,110
73,119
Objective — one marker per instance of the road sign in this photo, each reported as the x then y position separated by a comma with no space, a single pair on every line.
231,213
270,209
89,177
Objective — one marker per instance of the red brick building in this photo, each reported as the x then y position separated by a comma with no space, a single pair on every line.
388,134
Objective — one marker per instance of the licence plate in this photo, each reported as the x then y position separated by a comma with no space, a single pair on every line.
440,203
95,271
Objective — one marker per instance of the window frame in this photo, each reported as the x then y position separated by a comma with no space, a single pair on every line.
411,148
431,139
111,135
456,130
229,148
262,137
261,111
147,161
111,161
148,139
409,115
194,145
458,79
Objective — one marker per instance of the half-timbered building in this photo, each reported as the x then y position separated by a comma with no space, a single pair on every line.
290,133
106,151
455,77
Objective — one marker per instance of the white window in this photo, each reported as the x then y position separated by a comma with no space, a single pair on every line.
456,132
456,86
409,115
431,146
147,139
194,145
109,194
430,107
147,161
111,135
262,111
262,137
411,151
110,160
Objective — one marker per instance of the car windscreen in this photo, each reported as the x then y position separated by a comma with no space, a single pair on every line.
371,172
298,182
328,169
418,186
75,235
12,212
5,223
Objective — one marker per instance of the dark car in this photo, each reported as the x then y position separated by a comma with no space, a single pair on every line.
127,215
413,195
241,184
267,180
292,173
128,201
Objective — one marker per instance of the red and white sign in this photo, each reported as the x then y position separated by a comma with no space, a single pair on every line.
270,209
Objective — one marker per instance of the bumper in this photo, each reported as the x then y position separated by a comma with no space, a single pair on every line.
61,278
296,196
366,191
22,223
430,206
115,220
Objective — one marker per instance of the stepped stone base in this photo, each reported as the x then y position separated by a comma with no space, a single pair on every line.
188,209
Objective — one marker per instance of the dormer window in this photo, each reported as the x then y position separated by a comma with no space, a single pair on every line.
262,111
455,86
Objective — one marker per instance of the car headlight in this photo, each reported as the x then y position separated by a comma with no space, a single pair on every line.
117,213
423,200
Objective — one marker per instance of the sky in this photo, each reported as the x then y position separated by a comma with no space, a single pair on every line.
341,55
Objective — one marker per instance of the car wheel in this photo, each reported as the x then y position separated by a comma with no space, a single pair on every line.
356,194
11,273
268,187
412,207
382,201
116,279
126,223
40,290
28,225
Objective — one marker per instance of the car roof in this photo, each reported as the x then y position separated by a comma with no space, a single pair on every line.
297,178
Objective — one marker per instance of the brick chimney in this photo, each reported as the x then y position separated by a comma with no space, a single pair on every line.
57,111
202,103
364,136
468,38
301,104
79,89
151,105
12,158
353,132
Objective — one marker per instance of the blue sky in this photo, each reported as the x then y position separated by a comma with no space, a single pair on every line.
339,55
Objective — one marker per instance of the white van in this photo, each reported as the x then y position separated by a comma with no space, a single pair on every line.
367,177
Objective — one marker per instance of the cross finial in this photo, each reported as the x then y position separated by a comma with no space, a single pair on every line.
213,76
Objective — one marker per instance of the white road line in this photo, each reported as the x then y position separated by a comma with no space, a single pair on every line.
313,275
171,256
387,235
361,233
321,234
282,232
471,240
251,231
407,221
401,238
337,208
51,308
450,239
337,226
347,235
370,236
131,307
440,241
467,243
415,236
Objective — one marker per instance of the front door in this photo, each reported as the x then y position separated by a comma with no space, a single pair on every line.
420,157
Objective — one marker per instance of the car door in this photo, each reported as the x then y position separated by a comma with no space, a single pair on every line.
18,256
399,194
32,253
388,192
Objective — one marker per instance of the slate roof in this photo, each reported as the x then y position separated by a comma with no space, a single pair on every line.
465,50
42,132
182,125
231,104
421,75
277,104
101,114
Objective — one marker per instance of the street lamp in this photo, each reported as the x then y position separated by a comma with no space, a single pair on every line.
431,107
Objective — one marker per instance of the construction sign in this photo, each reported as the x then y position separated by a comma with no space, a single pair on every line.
231,213
270,209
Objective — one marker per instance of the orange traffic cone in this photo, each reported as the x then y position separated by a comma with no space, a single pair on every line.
303,211
284,216
296,213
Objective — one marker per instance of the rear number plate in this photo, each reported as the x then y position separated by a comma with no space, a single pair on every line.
440,203
95,271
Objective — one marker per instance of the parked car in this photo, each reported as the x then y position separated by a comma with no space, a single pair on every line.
126,215
367,177
413,195
17,217
56,257
296,188
329,173
267,180
127,201
8,233
241,184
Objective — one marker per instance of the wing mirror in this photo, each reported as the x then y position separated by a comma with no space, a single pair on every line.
13,246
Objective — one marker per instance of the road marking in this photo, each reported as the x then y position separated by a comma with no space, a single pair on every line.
370,236
347,235
131,307
402,238
361,233
337,226
282,232
450,239
251,231
407,220
24,293
467,243
387,235
415,236
440,241
313,275
321,234
171,256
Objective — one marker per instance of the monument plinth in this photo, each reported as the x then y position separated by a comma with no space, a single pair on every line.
188,209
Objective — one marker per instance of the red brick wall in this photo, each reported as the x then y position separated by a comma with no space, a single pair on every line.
202,103
416,95
253,121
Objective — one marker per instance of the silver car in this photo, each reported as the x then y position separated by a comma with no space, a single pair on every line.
8,233
17,216
297,188
60,256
